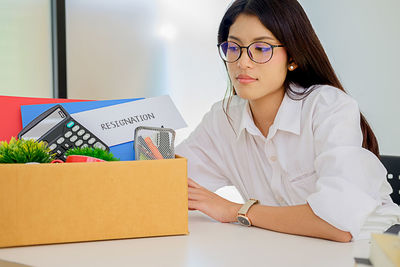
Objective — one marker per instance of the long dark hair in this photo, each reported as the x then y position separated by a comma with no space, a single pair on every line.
287,20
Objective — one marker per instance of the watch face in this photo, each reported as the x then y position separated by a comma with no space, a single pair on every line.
243,220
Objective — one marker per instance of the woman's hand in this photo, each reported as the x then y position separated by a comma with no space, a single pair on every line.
298,220
211,204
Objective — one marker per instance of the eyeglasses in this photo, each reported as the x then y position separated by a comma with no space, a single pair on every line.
259,52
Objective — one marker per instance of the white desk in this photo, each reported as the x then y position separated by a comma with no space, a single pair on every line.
209,243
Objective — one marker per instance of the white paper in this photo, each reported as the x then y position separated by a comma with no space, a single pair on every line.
116,124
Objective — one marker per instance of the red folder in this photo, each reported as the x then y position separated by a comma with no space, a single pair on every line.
10,112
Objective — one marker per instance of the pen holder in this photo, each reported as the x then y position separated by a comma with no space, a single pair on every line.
154,143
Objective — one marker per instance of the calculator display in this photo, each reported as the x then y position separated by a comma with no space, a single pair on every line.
45,125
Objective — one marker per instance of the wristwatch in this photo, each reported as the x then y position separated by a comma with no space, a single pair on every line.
242,213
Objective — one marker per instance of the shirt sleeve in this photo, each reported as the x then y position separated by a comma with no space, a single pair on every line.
351,179
205,164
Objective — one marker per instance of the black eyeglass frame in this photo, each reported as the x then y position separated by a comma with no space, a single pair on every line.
248,51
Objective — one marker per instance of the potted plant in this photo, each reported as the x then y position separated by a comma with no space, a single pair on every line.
25,151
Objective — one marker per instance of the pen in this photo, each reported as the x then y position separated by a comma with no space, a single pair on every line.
153,148
143,148
143,152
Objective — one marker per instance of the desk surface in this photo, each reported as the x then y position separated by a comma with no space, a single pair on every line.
209,243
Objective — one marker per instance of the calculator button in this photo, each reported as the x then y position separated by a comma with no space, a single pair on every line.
86,137
75,128
79,142
73,138
52,147
99,145
68,134
67,145
81,132
60,140
60,151
70,124
91,141
84,145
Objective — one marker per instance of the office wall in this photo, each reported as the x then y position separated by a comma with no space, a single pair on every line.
362,38
122,49
25,48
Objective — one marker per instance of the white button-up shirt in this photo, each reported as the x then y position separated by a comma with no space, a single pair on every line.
313,154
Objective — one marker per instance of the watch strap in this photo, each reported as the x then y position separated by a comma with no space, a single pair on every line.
246,206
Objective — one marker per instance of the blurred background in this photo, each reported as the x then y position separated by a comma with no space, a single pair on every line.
144,48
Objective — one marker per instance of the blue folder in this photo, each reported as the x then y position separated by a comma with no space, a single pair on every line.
123,151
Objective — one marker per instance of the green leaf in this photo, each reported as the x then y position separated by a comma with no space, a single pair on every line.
23,151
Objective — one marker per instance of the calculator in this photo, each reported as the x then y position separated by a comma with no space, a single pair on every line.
61,132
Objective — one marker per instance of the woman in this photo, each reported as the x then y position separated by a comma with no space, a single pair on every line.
290,139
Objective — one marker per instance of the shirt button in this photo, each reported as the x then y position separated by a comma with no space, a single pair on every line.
281,201
273,158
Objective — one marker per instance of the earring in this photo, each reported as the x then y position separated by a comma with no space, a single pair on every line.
291,67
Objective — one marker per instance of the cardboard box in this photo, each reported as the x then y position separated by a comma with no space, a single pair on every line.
72,202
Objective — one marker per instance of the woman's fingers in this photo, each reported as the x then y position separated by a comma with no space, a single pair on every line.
192,183
192,205
196,193
199,198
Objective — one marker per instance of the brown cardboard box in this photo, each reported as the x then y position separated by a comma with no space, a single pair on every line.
72,202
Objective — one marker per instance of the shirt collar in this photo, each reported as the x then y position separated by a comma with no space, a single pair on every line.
287,119
247,122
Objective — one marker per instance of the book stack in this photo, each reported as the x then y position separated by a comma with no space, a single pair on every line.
385,250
